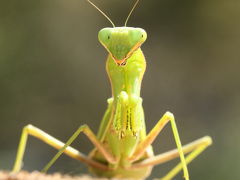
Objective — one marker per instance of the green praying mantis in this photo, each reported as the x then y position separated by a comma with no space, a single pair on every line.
122,145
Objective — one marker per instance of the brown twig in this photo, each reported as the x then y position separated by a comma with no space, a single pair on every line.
23,175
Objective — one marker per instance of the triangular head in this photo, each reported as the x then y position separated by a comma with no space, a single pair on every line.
121,42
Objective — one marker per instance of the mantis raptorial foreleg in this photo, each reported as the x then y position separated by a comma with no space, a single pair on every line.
141,148
128,107
63,148
194,148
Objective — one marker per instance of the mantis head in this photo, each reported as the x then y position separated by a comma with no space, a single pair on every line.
121,42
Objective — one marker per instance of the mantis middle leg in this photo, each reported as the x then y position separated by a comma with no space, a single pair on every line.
63,148
194,148
141,148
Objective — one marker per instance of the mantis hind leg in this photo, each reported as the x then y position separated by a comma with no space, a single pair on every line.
63,148
194,149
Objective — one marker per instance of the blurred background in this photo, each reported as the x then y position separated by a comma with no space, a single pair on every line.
52,75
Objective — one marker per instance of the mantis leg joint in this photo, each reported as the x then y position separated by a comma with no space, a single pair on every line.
169,115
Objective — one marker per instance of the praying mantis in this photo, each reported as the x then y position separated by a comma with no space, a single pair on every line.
122,145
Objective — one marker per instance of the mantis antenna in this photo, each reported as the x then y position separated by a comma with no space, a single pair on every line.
101,12
137,1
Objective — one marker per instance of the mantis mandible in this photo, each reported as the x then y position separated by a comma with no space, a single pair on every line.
122,145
